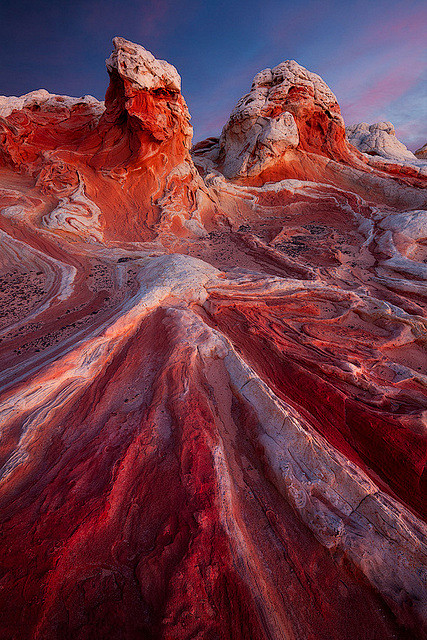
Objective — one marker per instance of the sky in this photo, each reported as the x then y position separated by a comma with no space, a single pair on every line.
372,53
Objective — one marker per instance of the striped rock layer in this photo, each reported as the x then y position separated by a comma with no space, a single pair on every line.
213,368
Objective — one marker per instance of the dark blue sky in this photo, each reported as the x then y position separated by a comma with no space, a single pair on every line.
372,53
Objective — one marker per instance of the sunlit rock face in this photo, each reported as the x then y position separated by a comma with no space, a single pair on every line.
383,151
131,153
213,387
288,108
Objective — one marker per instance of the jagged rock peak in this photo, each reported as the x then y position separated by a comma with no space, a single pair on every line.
272,86
141,68
149,91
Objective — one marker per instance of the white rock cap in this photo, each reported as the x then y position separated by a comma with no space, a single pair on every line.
290,73
46,100
139,66
378,139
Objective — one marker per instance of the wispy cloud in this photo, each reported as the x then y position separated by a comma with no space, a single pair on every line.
384,88
382,73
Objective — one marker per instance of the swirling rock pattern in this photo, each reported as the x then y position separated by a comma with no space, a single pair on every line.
213,388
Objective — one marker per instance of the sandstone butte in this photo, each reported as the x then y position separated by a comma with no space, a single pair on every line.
213,367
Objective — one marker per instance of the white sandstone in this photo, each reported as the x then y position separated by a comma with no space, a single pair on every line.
379,139
252,138
139,66
46,101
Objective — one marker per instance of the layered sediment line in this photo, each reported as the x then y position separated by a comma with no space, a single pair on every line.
213,387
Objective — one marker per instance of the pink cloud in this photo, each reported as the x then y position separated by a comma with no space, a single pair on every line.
382,69
404,24
382,90
155,19
413,133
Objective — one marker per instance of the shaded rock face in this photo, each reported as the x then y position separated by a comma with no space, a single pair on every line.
212,400
421,153
378,140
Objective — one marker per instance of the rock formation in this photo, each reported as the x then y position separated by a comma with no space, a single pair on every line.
137,144
213,390
289,126
421,153
378,140
287,108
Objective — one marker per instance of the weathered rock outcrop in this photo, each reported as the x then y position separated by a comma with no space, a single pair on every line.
378,140
43,100
132,150
421,153
287,108
144,104
289,126
213,389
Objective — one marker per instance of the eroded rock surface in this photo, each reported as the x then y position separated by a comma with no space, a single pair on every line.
378,139
213,387
287,108
421,153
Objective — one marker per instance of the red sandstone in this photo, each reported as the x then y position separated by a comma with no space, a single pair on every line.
213,369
